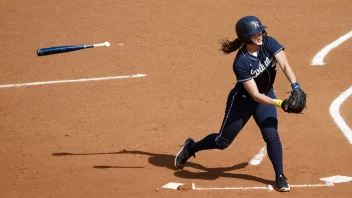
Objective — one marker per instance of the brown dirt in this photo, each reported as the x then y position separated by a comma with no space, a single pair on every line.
118,138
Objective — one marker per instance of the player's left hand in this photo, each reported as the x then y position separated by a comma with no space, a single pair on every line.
297,100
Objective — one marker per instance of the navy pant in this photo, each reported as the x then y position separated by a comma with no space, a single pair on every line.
239,109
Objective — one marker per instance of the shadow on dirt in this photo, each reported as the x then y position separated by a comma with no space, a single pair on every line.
167,161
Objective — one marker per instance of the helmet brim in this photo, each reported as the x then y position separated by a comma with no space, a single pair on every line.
257,30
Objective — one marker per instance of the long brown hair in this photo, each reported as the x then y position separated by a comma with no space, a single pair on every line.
228,46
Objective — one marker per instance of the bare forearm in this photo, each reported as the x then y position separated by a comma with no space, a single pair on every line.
263,99
289,74
285,66
252,89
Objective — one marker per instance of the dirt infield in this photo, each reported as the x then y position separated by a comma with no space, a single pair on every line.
118,138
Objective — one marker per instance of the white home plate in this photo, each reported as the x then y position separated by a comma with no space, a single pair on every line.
337,179
172,185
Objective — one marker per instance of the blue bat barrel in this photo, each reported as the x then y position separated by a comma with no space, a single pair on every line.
61,49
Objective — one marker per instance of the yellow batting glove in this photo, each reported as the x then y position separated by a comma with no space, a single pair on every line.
278,102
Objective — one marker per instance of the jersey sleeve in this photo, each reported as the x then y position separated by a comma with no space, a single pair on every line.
273,45
242,72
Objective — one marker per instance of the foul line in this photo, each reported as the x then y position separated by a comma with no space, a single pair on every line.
71,81
335,113
318,58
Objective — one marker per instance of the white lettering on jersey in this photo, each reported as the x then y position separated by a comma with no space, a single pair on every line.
261,68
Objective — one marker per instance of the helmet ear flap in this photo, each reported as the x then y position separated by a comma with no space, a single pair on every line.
249,42
247,39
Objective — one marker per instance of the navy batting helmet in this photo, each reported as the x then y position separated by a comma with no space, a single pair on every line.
248,26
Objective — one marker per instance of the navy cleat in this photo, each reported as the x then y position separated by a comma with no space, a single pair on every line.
282,184
184,154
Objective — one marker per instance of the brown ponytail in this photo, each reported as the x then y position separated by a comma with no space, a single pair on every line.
230,46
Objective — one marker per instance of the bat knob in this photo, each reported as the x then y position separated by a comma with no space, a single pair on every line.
107,44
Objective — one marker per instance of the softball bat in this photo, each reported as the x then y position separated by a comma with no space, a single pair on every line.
69,48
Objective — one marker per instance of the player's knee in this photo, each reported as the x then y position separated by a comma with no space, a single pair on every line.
222,143
221,146
270,135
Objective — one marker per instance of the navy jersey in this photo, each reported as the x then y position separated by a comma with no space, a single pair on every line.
261,68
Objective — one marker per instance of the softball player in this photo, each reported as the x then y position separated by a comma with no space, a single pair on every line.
253,95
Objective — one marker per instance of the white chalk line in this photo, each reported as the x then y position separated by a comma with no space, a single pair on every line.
312,185
319,57
71,81
335,113
268,187
335,105
257,159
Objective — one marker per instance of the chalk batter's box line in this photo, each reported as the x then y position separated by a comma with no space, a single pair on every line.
269,187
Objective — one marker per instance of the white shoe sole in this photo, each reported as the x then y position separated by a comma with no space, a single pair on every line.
285,189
